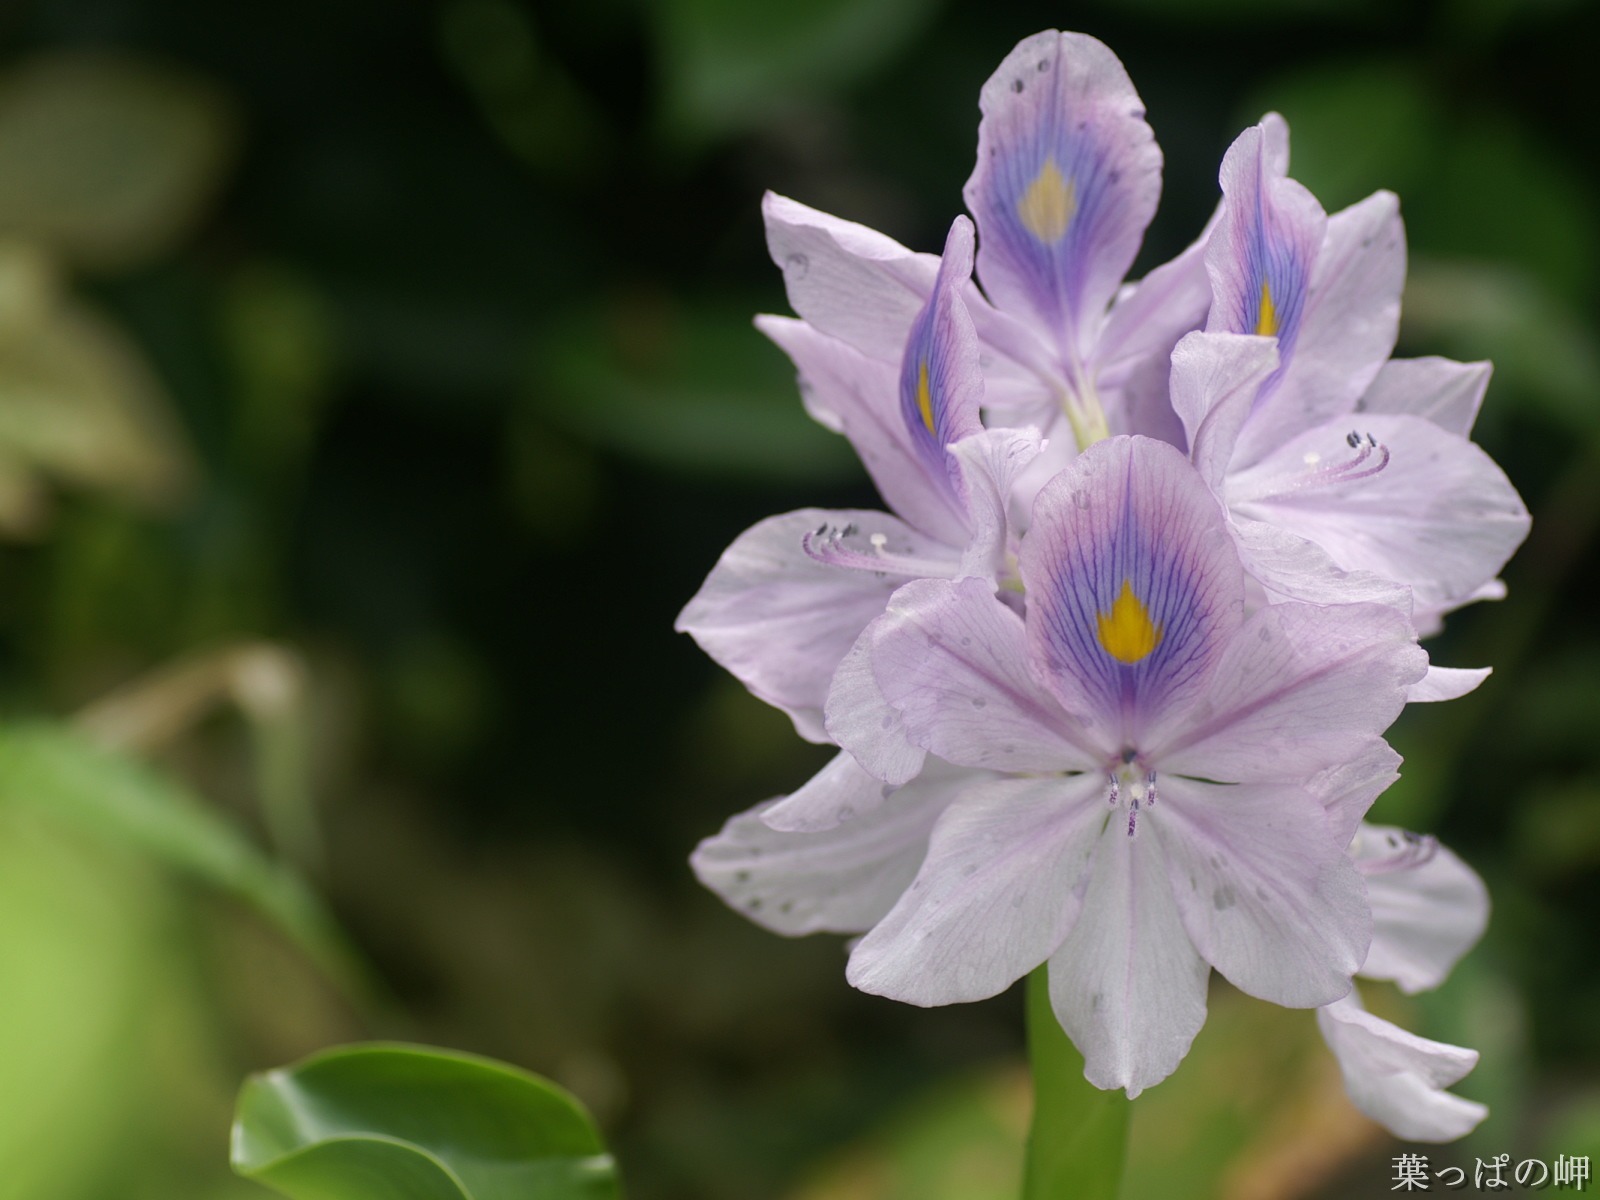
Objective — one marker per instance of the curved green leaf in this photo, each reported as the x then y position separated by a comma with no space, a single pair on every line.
393,1122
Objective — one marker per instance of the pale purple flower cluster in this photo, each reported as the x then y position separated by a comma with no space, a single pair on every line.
1110,680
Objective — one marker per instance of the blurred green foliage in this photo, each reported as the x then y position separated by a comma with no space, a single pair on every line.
376,380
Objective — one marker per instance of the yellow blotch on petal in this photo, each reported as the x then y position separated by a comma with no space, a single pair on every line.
924,397
1126,632
1047,206
1267,322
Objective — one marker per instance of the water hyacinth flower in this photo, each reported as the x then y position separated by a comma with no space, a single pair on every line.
1067,178
1114,707
1347,476
786,601
1134,677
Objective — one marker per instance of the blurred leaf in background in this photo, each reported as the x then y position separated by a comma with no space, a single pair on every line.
105,159
728,67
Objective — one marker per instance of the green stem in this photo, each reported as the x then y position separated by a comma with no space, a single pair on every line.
1078,1142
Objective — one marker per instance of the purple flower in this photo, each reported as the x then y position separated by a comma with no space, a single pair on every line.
1137,741
1177,783
1347,475
1067,178
786,601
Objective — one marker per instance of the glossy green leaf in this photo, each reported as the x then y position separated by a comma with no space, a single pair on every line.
1078,1143
391,1122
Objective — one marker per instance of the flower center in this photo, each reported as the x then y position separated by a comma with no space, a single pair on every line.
1132,781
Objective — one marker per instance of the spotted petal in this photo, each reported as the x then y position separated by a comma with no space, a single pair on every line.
1428,907
1267,894
841,880
1067,179
1128,985
1000,888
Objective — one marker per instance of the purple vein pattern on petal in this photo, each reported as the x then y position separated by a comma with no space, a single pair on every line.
1264,246
855,284
1067,179
941,389
859,396
1133,585
1351,318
